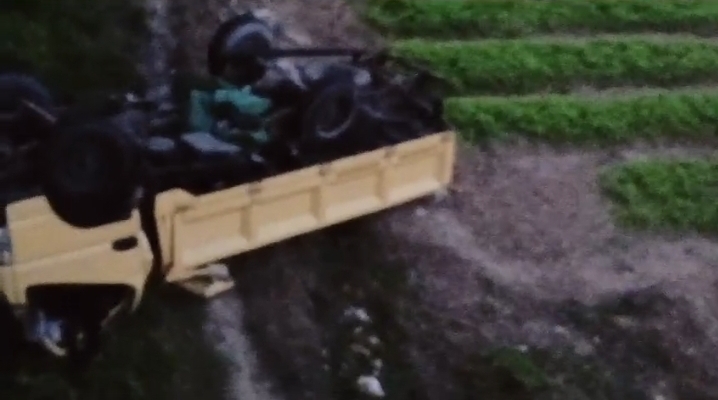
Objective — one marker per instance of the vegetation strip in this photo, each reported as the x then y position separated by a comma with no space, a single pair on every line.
529,66
514,18
665,194
588,119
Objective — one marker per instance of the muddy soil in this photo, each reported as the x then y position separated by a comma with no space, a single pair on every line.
326,23
521,254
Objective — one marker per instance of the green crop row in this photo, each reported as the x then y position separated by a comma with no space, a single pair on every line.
513,18
665,194
524,66
600,119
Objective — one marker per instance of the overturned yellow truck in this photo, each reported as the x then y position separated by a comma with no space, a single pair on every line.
47,255
271,152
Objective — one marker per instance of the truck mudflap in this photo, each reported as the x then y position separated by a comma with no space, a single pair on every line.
46,251
196,230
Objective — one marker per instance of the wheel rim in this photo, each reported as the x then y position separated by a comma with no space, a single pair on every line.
336,117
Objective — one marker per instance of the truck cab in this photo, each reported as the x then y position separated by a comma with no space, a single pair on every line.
60,281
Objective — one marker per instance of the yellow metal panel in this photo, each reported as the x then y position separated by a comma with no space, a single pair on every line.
195,230
285,184
96,265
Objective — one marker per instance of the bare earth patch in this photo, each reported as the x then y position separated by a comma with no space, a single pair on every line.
539,211
532,222
327,23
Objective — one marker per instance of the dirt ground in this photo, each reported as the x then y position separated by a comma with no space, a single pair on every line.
531,223
520,254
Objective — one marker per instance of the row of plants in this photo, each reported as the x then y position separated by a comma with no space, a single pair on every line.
524,66
588,119
664,194
514,18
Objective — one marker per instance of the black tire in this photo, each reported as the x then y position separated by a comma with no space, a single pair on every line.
253,41
90,174
332,116
388,127
14,88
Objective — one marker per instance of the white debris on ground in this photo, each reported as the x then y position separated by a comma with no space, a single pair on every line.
371,386
358,314
359,359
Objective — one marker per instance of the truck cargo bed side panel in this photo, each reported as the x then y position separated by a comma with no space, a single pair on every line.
214,226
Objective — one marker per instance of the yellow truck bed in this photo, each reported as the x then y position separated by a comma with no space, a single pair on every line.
193,231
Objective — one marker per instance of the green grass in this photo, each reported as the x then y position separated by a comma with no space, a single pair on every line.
157,354
664,194
76,46
513,18
525,66
588,119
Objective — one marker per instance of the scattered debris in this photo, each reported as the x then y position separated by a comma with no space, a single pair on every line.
357,314
371,386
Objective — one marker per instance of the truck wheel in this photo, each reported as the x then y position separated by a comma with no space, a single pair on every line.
332,116
14,88
91,174
244,35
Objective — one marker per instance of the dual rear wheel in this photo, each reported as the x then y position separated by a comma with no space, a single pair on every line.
88,171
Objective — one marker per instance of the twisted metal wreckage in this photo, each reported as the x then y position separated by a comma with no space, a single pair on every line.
96,199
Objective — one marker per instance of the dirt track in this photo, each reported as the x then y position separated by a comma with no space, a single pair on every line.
522,252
